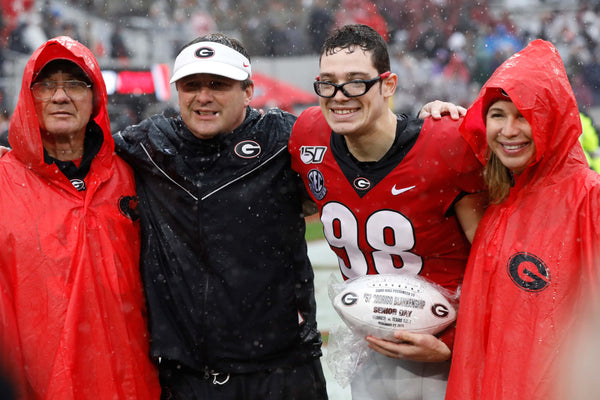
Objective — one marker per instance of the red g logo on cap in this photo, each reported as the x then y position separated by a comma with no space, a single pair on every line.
204,52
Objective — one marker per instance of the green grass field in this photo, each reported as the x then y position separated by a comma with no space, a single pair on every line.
314,228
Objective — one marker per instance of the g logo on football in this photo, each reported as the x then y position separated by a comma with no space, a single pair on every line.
349,299
440,310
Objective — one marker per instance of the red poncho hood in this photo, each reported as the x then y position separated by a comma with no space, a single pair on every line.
24,132
537,84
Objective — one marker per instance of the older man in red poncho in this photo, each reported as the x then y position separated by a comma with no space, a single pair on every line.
72,314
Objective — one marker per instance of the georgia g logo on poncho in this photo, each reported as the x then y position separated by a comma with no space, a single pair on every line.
528,272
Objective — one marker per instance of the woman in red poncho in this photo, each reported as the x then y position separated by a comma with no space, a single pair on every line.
534,259
72,313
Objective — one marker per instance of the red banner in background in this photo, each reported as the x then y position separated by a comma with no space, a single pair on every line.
271,92
154,81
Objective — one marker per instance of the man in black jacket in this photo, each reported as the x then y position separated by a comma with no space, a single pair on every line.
228,281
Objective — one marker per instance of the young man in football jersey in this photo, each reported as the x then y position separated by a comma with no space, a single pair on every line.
395,194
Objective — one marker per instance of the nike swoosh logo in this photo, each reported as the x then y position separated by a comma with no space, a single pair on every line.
396,192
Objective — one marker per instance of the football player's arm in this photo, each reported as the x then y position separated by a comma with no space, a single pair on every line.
436,109
420,347
469,211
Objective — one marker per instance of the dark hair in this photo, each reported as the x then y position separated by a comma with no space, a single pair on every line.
350,37
226,41
62,65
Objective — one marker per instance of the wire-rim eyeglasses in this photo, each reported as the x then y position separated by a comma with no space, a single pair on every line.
74,89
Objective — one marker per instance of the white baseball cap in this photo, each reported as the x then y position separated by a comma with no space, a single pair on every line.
211,58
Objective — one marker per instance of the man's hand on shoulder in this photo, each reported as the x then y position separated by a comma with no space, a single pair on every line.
3,150
436,109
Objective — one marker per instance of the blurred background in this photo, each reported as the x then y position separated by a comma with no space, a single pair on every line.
441,49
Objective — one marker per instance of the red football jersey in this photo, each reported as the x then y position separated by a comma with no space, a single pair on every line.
395,214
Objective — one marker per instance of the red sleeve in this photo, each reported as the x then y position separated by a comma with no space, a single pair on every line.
456,154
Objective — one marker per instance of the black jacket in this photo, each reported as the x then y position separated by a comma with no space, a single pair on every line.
224,260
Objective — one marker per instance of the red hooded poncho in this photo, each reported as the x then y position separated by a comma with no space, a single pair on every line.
535,254
72,312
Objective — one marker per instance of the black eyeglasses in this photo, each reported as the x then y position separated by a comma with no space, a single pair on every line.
353,88
74,89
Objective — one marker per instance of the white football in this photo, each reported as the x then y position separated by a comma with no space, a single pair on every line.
379,305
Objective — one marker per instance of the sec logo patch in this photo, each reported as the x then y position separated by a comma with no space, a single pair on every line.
316,184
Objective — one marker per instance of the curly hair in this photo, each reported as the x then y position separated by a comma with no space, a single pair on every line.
363,37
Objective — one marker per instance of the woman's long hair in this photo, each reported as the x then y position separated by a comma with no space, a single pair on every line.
498,179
